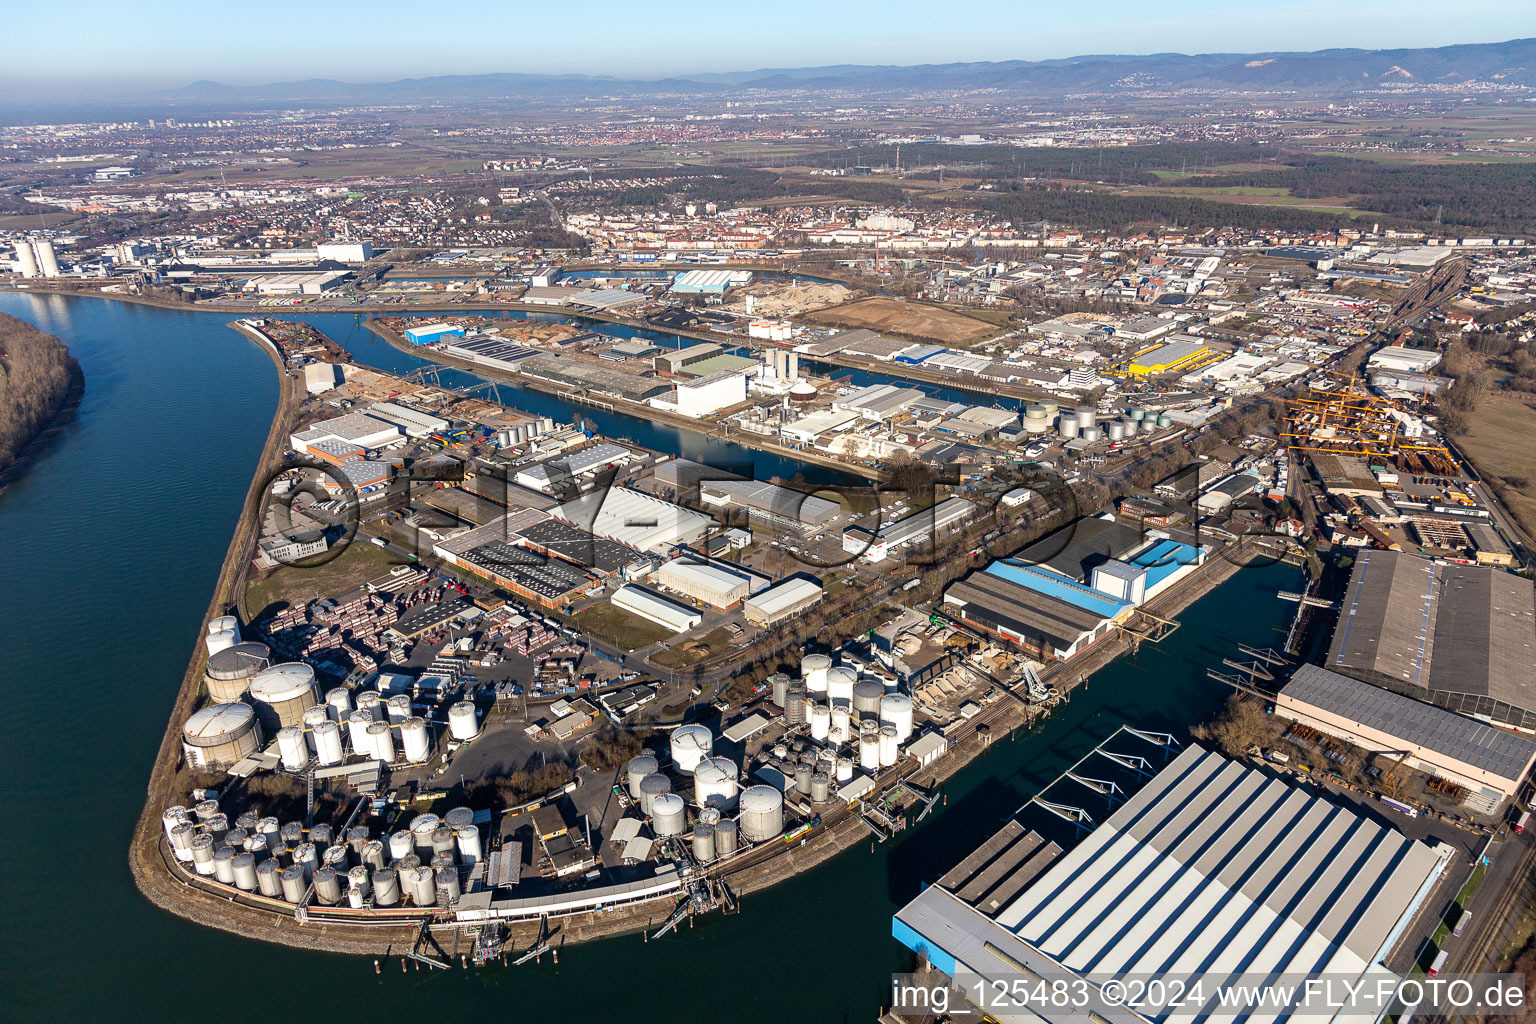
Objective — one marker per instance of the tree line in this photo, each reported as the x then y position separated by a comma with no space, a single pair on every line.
37,378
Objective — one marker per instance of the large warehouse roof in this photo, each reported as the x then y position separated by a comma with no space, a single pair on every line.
1075,549
782,503
1410,622
634,518
1211,867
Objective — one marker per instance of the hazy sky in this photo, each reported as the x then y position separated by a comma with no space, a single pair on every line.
82,47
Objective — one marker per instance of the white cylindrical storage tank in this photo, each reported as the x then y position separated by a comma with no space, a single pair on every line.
813,669
386,887
327,886
294,883
222,624
328,743
283,693
292,748
202,854
703,843
1136,413
415,738
313,718
383,742
371,704
269,831
305,856
459,817
448,884
1115,430
669,815
890,746
219,735
651,787
357,887
725,837
1067,425
468,837
401,843
422,884
690,745
840,683
1149,425
338,702
762,813
358,722
896,709
229,672
224,864
638,769
869,752
1164,420
422,827
462,723
1087,416
803,773
1090,434
821,722
442,842
780,684
821,788
244,867
866,698
398,708
373,855
844,770
269,879
715,783
221,641
1036,424
172,817
841,725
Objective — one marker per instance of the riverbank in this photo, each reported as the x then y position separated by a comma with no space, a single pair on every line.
41,386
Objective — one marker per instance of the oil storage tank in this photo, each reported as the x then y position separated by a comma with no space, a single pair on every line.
715,783
866,698
462,723
813,669
1067,426
283,693
638,768
229,672
652,787
416,740
690,745
218,736
669,815
725,837
1087,416
840,684
328,743
762,813
896,709
703,843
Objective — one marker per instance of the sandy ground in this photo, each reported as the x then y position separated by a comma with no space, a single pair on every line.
776,297
912,319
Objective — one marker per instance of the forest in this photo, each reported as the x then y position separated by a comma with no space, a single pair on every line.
38,377
1109,211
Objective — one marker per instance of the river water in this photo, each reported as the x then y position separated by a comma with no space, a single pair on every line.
112,544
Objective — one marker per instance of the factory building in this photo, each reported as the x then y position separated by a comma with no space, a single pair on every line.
704,396
428,333
413,423
320,377
676,361
879,402
1180,353
345,251
1460,636
542,560
297,284
1464,750
709,282
653,607
1045,614
361,475
635,519
781,601
924,526
710,583
780,506
1210,867
358,428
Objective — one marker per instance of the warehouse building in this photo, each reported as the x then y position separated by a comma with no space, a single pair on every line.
676,361
704,396
412,422
706,582
709,282
1464,750
653,607
1047,615
500,552
360,429
635,519
1179,353
319,377
1211,867
1074,550
782,601
780,506
425,334
1460,636
879,402
924,526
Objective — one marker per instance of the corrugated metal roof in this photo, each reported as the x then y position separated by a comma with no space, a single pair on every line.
1048,583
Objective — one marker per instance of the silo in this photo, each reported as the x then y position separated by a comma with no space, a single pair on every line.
292,748
1067,426
762,813
896,709
651,787
244,867
780,689
383,742
224,865
328,743
416,740
638,769
840,683
27,258
459,817
358,722
47,260
1090,434
669,815
223,623
182,834
795,710
866,698
373,854
338,702
1087,416
869,753
725,837
269,879
821,788
229,672
813,669
268,829
703,843
422,827
1115,430
221,641
398,708
401,844
282,694
372,705
468,837
462,723
690,745
442,842
357,887
219,735
327,887
386,887
294,884
715,783
803,773
890,746
844,771
202,855
821,722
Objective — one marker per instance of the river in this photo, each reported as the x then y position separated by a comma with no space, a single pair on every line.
113,541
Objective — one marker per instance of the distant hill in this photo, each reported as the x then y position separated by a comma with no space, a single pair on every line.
1320,72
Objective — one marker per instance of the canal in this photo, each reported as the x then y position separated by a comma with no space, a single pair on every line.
113,541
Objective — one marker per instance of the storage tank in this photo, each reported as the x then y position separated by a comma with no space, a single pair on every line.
292,748
416,740
459,817
357,887
448,885
307,858
803,773
422,827
462,723
1050,405
358,722
372,705
373,855
383,742
224,864
637,769
866,698
890,746
1067,426
841,730
442,842
690,745
229,672
840,683
386,887
218,736
268,830
1037,424
813,669
703,843
202,854
468,837
422,885
293,882
269,878
401,843
1149,425
795,710
292,833
221,641
398,708
821,722
1115,430
821,788
328,743
313,718
1164,420
283,693
869,752
715,783
896,709
1136,413
669,815
1090,434
244,867
725,837
762,813
1087,416
338,702
780,684
651,787
328,886
222,624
